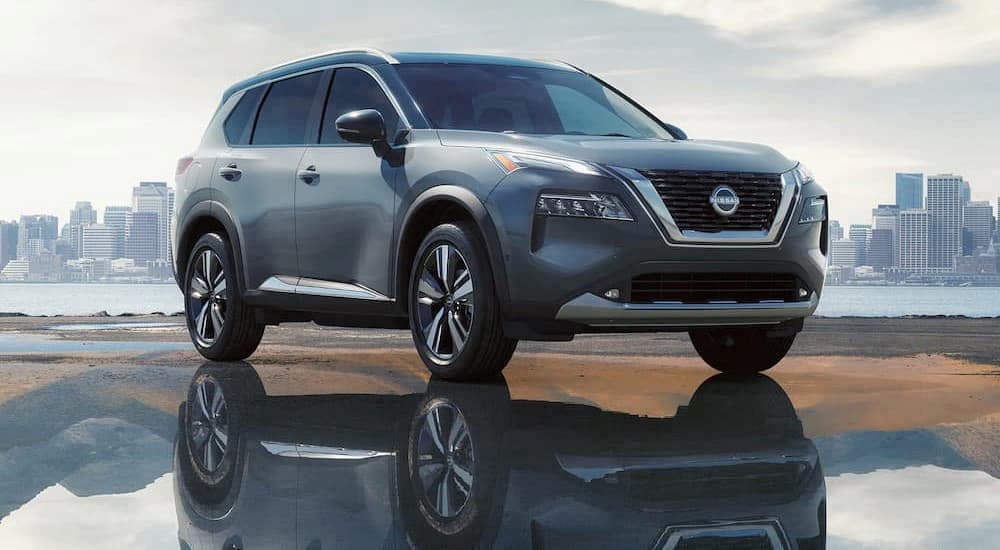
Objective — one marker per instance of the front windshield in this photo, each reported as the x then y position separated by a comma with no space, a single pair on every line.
501,98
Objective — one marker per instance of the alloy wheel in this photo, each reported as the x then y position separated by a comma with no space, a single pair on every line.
445,304
209,425
207,298
445,460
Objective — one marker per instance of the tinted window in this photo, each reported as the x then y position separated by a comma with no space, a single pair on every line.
500,98
242,115
284,116
352,90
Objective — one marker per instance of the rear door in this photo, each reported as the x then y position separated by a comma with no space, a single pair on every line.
255,177
344,217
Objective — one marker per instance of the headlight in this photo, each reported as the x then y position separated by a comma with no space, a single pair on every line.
510,161
583,205
803,174
814,210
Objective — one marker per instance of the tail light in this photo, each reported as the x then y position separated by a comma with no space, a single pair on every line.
183,163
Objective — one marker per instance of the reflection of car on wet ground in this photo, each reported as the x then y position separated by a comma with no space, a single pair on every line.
464,466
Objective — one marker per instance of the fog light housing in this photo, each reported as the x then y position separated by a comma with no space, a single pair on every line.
583,205
814,210
612,293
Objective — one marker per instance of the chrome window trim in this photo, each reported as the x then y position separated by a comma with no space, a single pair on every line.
302,450
658,211
319,287
361,66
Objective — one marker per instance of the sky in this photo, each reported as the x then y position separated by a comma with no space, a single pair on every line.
97,96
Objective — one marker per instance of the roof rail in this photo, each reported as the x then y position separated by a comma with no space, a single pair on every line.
372,51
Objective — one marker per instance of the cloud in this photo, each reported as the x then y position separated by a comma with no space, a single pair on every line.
850,38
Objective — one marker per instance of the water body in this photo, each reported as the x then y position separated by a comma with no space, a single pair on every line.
838,301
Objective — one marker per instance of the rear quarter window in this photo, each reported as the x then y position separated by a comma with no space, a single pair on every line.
239,123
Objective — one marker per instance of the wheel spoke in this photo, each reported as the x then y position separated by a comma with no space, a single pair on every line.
463,479
444,496
218,402
206,264
220,287
444,265
203,406
433,424
429,287
216,320
432,335
199,288
208,457
458,333
457,433
463,286
201,321
430,474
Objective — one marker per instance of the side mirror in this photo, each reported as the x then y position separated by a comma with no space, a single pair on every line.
677,132
364,126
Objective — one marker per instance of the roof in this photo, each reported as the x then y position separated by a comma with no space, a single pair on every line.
369,56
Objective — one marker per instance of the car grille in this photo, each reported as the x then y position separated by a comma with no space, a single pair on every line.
703,288
686,194
717,482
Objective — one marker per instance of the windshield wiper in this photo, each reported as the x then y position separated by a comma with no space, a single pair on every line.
616,134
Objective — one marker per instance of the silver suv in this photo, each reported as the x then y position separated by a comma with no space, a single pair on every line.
479,201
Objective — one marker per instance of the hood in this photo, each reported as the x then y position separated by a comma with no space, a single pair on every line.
641,154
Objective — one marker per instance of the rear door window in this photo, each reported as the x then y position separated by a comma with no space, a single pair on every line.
284,115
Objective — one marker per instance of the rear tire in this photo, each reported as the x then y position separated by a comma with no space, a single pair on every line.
454,312
740,350
221,325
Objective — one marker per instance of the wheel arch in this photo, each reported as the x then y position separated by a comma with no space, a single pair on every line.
442,204
208,217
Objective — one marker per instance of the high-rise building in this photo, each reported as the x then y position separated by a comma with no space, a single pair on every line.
844,253
837,230
8,242
944,219
913,240
966,193
881,249
142,236
98,242
977,219
885,217
861,234
116,217
36,235
81,215
909,190
156,197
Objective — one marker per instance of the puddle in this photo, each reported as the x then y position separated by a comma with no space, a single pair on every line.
32,343
116,326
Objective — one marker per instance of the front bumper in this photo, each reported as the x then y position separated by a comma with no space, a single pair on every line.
595,311
558,268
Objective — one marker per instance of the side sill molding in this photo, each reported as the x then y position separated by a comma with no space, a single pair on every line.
317,287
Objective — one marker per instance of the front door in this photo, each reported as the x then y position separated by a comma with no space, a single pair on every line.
345,200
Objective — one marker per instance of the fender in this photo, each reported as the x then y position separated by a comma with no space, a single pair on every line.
215,211
468,201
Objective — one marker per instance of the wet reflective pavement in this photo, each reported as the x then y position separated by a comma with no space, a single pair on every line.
361,450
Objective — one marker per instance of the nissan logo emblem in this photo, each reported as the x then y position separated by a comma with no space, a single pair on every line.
724,200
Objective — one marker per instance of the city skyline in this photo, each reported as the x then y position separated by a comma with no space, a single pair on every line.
855,90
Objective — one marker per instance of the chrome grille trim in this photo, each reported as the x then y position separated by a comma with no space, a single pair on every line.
770,238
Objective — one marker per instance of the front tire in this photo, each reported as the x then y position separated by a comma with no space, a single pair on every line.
740,350
454,312
221,325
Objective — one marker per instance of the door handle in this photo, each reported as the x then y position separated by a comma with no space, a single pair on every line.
309,175
230,172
